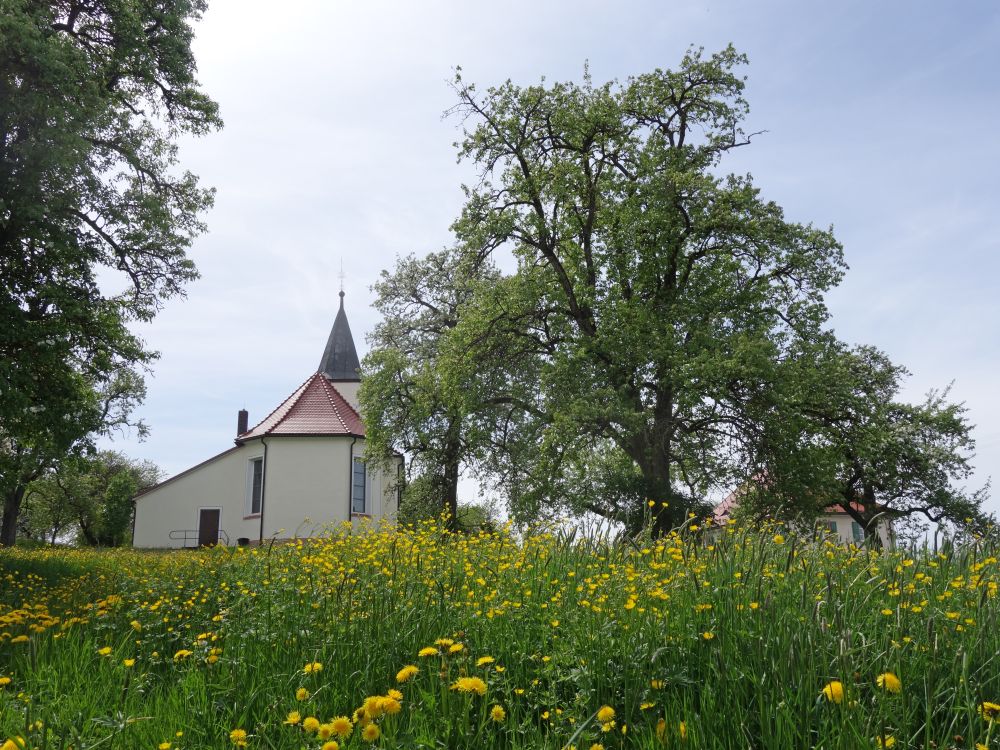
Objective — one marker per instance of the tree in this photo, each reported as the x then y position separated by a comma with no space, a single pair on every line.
92,495
408,405
659,296
846,436
95,220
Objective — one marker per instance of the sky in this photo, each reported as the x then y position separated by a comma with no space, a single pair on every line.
881,120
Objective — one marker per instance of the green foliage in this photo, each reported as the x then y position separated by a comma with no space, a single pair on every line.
737,640
90,498
95,219
654,297
846,435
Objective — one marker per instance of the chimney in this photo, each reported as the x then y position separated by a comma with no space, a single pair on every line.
241,421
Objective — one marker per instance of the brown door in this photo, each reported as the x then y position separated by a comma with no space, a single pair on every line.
208,527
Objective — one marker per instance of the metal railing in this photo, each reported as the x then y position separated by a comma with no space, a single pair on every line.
189,537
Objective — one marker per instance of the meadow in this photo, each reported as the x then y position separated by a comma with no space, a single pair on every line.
417,638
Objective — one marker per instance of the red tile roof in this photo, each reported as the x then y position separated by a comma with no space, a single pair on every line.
315,408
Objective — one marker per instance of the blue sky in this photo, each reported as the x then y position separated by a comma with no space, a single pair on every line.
882,120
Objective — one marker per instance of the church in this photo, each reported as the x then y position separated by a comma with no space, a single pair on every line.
299,472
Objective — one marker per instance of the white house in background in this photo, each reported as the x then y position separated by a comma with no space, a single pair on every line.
298,473
834,518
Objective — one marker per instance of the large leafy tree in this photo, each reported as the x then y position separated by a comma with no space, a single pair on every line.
95,218
90,495
660,295
845,435
411,403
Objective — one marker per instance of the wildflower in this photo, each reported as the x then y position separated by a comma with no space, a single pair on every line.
834,691
646,705
16,743
661,728
4,681
498,714
310,725
605,714
182,654
391,705
988,710
294,717
779,539
371,733
106,651
708,635
443,642
455,648
428,651
312,667
886,741
889,682
136,626
470,685
683,730
18,639
342,727
238,737
301,694
482,661
331,745
128,663
887,612
394,694
165,746
324,732
597,746
406,673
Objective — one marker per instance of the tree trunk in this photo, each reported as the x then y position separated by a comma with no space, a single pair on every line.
654,462
11,509
451,471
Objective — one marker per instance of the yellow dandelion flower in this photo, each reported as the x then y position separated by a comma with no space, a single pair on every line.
661,728
779,539
342,727
310,724
605,714
238,737
482,661
312,667
391,706
371,733
428,651
4,682
682,729
406,673
294,717
455,648
164,746
443,642
708,635
469,685
394,694
889,682
136,626
989,711
834,691
886,741
301,694
646,705
106,651
324,732
331,745
182,654
498,714
597,746
128,663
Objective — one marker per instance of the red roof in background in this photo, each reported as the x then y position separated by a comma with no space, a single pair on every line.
315,408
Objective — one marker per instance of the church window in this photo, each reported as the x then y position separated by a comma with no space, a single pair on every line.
255,485
358,504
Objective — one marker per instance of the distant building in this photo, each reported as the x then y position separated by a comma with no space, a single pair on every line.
834,518
298,472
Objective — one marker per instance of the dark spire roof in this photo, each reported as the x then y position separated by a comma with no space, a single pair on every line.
340,358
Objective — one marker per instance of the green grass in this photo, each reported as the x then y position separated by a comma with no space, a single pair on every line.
735,640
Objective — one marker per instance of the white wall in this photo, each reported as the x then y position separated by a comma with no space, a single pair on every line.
173,505
306,492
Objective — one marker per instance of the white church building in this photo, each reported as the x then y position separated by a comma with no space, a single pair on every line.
300,472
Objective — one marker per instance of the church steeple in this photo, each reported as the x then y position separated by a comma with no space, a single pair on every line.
340,358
